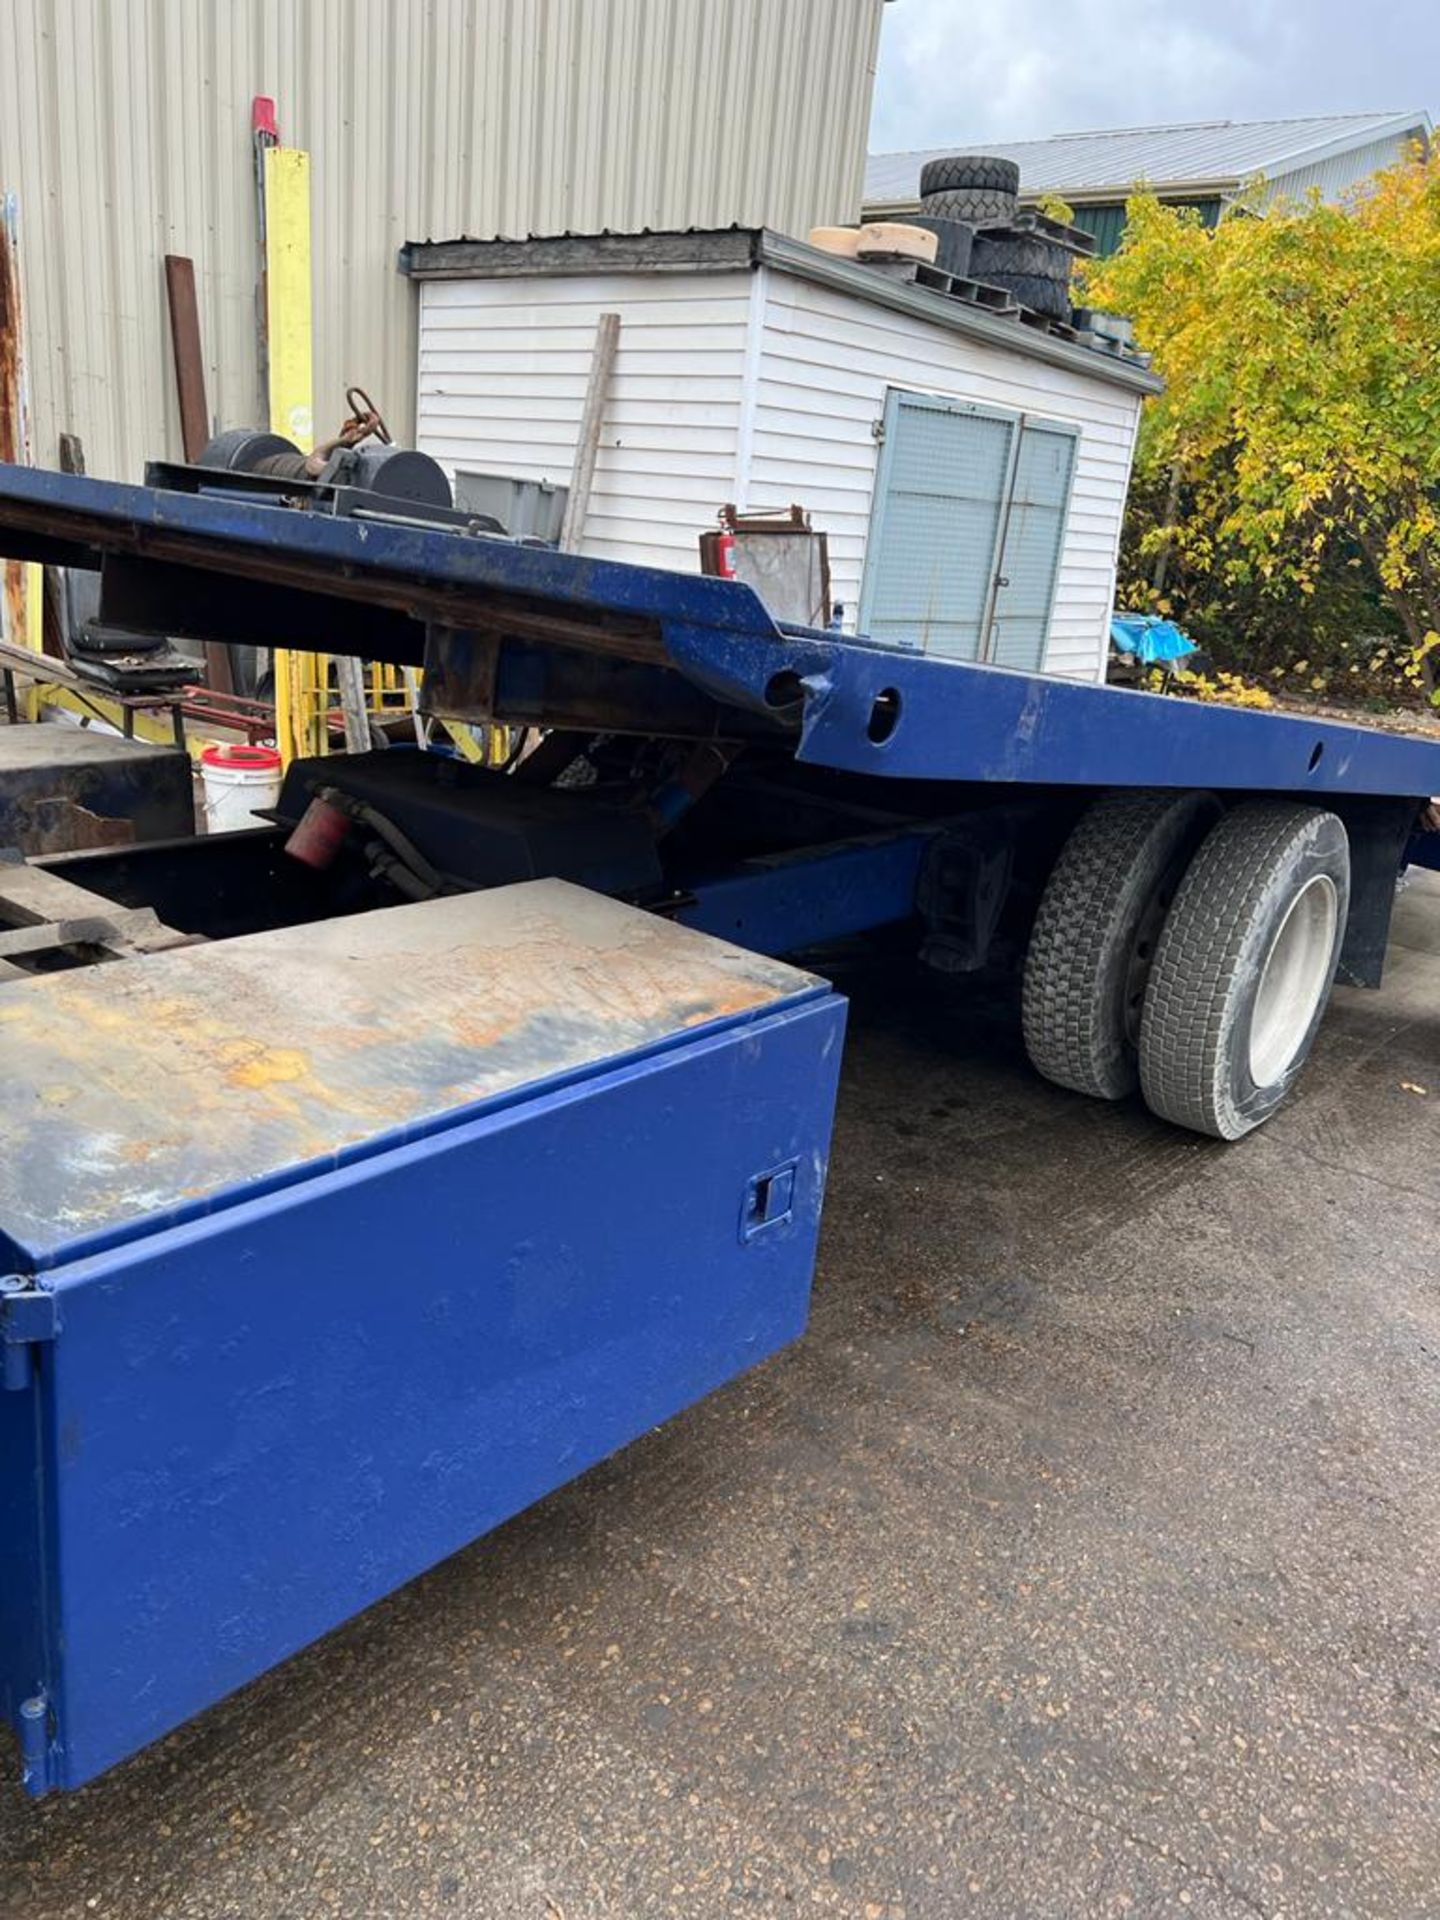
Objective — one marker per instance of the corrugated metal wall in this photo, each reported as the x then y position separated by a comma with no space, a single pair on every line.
125,130
1341,172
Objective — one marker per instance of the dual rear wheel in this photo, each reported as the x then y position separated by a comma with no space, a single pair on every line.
1188,951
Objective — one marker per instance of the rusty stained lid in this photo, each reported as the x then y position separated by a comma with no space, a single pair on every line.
154,1089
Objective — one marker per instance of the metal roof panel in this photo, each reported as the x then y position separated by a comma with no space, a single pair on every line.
1217,153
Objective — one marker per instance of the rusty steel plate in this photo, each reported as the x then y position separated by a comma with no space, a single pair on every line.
152,1089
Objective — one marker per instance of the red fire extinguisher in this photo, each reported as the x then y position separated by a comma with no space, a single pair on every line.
725,554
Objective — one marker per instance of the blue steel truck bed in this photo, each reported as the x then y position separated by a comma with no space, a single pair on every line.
330,1248
437,1166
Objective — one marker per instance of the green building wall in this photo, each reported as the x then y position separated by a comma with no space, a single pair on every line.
1106,220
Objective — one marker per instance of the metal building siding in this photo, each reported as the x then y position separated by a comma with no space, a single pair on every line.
1341,173
1106,220
829,361
125,130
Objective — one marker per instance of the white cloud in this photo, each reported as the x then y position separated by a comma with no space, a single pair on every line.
963,72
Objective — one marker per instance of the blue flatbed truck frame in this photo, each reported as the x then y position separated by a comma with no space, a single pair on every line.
380,1198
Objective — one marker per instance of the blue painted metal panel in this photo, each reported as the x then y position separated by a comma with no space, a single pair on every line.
958,721
962,721
24,1624
149,520
254,1424
780,905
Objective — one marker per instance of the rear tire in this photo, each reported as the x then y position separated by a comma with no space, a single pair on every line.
1097,932
1244,968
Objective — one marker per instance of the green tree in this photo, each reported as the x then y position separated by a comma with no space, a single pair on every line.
1294,457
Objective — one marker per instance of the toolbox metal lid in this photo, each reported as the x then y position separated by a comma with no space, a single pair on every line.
149,1091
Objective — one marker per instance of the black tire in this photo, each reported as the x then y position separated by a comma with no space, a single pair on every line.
1041,296
956,239
957,171
1245,966
1096,935
977,206
1027,253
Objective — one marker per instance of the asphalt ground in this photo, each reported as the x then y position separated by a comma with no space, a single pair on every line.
1083,1559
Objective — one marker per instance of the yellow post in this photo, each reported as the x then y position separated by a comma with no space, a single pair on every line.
287,294
22,590
301,679
22,582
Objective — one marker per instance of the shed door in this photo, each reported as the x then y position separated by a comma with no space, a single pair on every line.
966,529
936,524
1030,550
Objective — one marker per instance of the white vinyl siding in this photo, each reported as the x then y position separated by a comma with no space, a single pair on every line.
754,387
502,377
828,362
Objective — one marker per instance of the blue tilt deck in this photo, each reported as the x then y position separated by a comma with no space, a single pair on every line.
940,719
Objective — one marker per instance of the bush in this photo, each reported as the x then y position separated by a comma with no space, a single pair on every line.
1289,476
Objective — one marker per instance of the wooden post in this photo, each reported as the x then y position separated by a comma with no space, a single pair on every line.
189,359
194,413
1168,530
602,363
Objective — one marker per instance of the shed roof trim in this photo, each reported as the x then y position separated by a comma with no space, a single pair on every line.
733,249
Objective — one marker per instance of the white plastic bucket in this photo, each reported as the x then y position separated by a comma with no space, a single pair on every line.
237,781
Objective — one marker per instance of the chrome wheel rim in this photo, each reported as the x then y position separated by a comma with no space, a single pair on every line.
1293,979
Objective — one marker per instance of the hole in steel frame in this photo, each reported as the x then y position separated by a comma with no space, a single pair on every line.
784,689
1317,754
884,715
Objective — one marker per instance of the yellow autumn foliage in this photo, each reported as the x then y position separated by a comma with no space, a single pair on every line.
1300,344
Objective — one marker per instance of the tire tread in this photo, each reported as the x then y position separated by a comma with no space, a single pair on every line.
1197,964
976,206
955,172
1061,1013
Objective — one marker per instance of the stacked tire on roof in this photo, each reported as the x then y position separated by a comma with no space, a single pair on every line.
968,200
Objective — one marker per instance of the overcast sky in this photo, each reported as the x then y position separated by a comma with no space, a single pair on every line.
963,71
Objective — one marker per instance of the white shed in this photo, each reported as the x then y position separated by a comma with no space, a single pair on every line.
969,471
